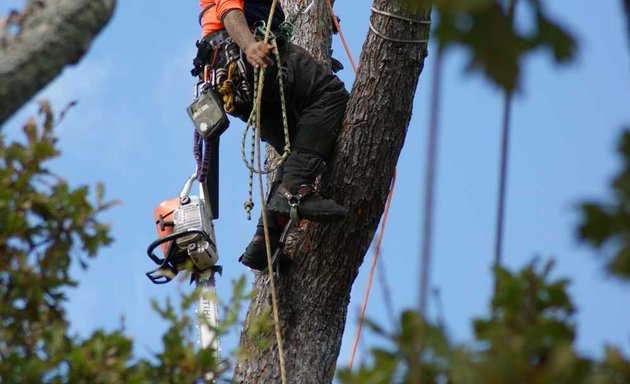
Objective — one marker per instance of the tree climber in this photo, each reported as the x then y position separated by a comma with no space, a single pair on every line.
315,102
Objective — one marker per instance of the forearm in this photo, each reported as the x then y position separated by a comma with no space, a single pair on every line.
236,26
257,52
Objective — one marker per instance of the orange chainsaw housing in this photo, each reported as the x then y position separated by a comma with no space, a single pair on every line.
164,220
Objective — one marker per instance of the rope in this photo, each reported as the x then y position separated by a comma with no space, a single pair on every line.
429,182
249,204
226,89
385,37
274,299
395,16
385,213
343,39
374,263
399,17
253,117
503,167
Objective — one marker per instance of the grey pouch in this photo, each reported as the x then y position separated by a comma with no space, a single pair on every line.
208,115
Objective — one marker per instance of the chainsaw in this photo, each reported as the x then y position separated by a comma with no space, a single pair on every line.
185,235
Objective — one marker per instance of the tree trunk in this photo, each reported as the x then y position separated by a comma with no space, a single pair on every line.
51,35
314,289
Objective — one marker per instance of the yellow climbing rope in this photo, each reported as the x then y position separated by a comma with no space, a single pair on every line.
227,88
253,119
259,88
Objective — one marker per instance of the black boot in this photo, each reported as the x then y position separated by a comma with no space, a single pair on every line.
255,255
297,189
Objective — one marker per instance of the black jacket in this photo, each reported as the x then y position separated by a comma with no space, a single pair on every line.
256,10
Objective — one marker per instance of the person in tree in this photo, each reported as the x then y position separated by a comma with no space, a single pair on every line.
315,101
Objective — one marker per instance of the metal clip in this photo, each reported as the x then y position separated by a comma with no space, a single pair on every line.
198,85
208,75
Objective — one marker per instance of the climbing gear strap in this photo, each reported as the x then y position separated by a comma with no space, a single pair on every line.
294,199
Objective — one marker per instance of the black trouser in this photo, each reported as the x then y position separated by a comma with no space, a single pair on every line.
315,103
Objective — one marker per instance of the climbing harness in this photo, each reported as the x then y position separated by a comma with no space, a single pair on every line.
220,60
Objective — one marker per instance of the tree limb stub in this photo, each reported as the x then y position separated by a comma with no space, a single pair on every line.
53,34
314,290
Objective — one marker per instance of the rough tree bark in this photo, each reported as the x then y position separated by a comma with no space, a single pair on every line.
314,289
51,34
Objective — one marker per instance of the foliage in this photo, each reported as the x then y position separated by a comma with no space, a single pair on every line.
528,337
496,46
48,225
606,225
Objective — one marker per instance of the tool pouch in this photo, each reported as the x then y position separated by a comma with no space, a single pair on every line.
207,113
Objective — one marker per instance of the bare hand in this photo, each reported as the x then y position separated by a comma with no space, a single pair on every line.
257,54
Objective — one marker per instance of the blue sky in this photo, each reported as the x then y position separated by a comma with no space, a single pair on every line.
130,131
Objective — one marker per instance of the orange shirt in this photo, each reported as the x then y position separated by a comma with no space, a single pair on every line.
212,18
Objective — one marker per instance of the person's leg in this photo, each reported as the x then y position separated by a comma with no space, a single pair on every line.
255,255
319,101
316,102
272,132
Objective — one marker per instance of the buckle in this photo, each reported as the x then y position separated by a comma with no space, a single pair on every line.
217,39
295,198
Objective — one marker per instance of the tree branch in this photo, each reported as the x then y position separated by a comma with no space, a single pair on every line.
51,34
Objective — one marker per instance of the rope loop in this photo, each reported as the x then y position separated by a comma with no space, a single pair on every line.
256,144
399,17
251,122
227,88
385,37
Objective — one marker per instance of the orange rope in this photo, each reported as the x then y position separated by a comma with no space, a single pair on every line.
369,285
343,39
385,213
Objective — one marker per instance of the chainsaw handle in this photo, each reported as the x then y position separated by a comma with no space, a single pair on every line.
167,270
158,275
183,195
160,261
